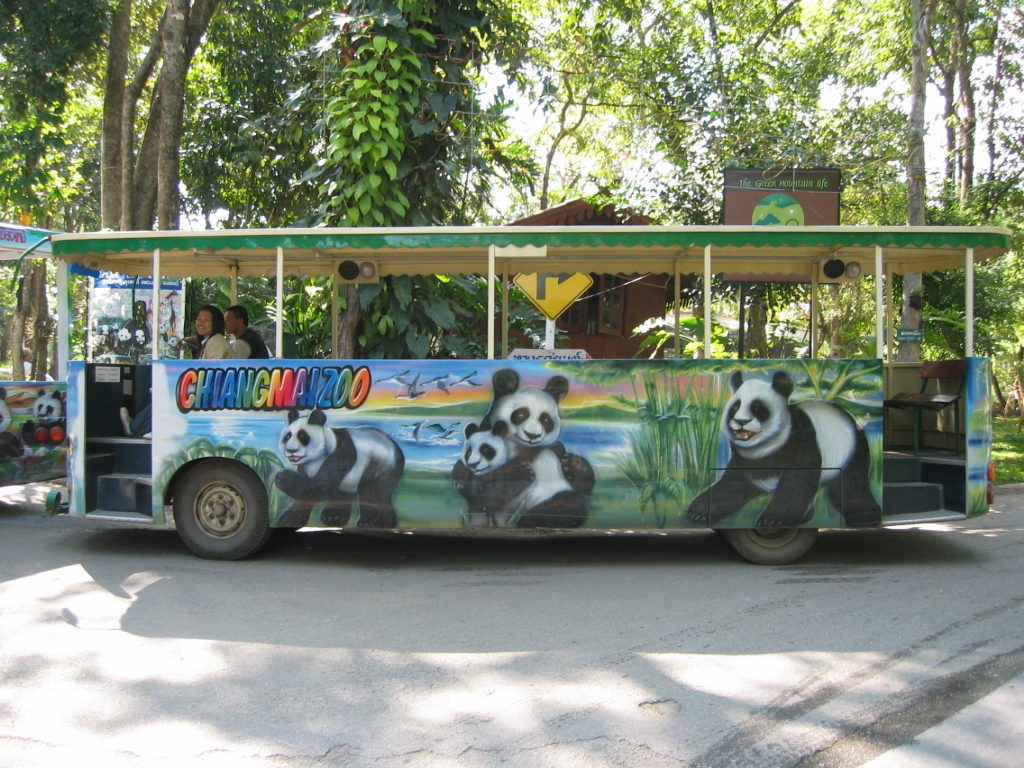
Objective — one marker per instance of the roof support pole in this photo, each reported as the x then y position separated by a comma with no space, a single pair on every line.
234,283
490,302
880,305
707,302
155,304
890,315
969,302
335,316
815,309
504,311
676,343
279,306
63,320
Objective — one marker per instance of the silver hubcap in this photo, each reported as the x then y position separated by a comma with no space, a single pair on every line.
220,510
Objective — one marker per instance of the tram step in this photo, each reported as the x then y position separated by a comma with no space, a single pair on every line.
900,468
912,498
934,516
113,516
951,474
131,454
122,492
96,465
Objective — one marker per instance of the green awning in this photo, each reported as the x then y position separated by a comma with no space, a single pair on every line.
746,250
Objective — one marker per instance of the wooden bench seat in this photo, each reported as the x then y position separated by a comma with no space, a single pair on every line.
931,398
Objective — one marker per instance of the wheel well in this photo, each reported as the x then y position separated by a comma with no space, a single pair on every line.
184,469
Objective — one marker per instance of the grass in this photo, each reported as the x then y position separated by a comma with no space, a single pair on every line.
1007,450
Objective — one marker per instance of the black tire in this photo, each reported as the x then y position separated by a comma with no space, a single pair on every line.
220,510
770,546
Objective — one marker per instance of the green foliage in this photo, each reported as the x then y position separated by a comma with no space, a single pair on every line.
660,337
406,139
41,45
1007,450
246,145
676,443
434,316
307,317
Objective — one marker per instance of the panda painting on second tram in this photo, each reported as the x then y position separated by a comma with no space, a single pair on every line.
513,470
788,450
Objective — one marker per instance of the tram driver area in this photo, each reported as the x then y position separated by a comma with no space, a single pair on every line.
118,468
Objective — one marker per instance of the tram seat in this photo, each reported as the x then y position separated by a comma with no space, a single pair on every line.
932,398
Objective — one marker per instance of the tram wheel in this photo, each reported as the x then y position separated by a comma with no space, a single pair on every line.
770,546
220,511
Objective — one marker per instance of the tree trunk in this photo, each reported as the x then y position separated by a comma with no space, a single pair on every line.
42,325
1000,397
967,124
757,319
111,153
16,333
142,187
169,114
349,323
916,190
130,218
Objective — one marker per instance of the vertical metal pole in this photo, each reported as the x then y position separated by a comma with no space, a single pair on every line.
490,302
155,305
890,328
677,333
504,311
879,306
741,338
234,283
335,316
815,310
279,305
63,320
707,302
969,302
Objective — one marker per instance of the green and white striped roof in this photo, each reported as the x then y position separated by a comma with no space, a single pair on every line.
749,251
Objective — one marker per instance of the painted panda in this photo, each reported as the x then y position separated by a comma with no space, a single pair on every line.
557,495
789,451
490,476
334,467
123,340
48,408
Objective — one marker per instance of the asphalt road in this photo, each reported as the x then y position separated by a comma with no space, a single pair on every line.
901,647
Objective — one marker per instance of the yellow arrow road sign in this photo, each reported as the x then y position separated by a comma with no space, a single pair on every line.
551,293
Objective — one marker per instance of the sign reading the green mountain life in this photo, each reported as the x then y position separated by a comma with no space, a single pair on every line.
782,196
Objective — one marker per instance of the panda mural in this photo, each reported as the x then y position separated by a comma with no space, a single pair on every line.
335,467
790,451
48,408
490,476
47,425
513,470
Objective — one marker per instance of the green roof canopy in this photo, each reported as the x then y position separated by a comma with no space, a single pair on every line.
747,251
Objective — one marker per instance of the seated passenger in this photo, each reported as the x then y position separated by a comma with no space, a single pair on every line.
248,343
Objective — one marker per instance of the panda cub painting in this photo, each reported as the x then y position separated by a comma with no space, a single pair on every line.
790,451
491,477
334,467
513,470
